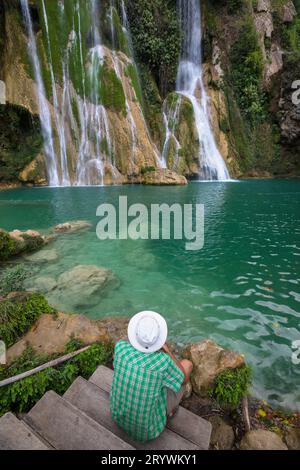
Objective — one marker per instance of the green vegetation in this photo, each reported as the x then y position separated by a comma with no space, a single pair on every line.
231,386
247,73
22,395
132,72
6,245
12,279
156,38
18,313
111,92
20,141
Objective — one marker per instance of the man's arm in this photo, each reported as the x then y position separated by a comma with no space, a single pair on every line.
186,373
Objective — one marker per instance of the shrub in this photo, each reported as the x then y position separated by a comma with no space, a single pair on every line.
12,279
21,396
247,72
6,245
231,386
17,314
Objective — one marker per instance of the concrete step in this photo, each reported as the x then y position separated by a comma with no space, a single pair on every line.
191,427
65,427
16,435
94,401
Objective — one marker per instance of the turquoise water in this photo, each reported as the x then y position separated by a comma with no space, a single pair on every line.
241,289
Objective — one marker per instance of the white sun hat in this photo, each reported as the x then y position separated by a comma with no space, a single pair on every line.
147,331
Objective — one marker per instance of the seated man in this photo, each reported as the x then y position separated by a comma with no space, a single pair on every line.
148,380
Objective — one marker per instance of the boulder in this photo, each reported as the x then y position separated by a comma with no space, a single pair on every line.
292,438
222,437
84,285
43,256
73,226
43,284
260,439
35,172
51,333
163,177
209,361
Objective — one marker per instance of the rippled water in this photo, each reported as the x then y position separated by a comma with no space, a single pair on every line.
241,289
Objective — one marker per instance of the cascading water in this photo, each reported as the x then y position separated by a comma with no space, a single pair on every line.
190,84
170,117
44,113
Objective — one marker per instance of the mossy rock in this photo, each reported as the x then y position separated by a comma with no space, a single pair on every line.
7,245
21,140
111,92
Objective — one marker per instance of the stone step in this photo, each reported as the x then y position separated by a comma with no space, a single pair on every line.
185,423
65,427
94,401
16,435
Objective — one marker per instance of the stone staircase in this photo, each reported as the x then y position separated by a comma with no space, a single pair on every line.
80,420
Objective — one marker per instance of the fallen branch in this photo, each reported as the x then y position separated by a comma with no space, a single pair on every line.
246,414
53,363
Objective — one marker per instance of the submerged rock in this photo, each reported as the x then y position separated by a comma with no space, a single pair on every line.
73,226
84,285
163,177
209,361
43,256
42,284
260,439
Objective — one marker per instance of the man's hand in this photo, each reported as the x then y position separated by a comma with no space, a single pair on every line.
165,348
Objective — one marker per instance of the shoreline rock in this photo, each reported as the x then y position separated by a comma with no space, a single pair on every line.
209,361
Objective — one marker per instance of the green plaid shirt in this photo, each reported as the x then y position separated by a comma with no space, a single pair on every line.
138,397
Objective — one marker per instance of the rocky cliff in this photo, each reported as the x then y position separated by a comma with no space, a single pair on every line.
116,104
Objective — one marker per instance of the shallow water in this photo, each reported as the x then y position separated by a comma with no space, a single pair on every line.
241,289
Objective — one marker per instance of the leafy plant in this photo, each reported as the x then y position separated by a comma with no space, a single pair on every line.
21,396
231,386
6,245
12,279
18,313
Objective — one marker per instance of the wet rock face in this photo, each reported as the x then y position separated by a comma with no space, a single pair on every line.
209,361
261,439
289,103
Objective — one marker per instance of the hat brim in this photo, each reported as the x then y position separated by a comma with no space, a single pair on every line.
163,332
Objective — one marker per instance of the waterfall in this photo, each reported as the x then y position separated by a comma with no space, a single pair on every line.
190,84
75,124
44,112
170,117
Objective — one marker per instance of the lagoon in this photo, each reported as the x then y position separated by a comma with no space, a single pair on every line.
241,289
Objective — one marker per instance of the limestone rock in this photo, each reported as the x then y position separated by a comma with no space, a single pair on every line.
288,12
73,226
260,439
263,5
43,284
275,63
35,172
292,438
43,256
84,285
222,437
50,333
163,177
209,361
2,92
